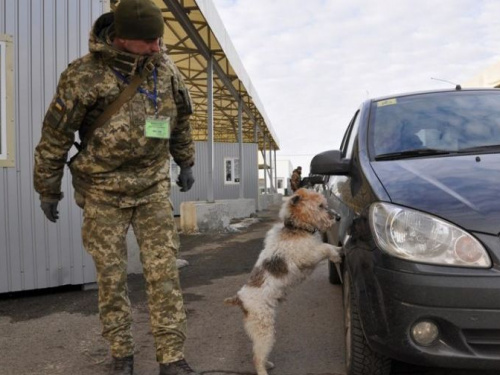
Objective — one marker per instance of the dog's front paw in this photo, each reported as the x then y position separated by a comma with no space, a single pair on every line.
336,254
336,259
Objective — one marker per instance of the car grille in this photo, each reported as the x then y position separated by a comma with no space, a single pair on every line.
482,341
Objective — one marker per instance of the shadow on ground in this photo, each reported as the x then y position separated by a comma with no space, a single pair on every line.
224,260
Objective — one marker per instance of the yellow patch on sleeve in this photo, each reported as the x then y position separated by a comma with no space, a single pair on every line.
59,105
383,103
55,113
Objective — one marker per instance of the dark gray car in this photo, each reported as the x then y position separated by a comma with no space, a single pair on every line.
416,183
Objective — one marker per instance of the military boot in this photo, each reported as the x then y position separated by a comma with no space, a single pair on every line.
122,366
177,368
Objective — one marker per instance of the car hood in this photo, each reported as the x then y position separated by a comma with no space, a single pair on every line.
462,189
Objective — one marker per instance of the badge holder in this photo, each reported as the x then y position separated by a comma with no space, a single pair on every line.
157,127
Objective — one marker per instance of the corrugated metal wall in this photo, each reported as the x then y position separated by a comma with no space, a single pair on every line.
221,190
35,253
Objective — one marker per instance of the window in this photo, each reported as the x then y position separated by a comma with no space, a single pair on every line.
231,170
281,183
6,102
350,136
453,121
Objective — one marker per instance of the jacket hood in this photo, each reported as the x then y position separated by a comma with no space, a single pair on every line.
462,189
101,43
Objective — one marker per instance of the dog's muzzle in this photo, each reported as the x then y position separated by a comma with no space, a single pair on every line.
334,214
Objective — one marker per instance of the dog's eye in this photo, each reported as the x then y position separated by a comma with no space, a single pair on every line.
322,206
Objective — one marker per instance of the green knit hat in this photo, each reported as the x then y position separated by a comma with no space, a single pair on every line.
138,19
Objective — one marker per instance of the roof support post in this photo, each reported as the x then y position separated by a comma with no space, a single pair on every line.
271,168
240,141
265,165
275,171
210,125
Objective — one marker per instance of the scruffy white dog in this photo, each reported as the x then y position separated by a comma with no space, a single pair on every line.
292,249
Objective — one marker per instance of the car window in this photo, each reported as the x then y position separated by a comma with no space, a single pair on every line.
349,137
451,121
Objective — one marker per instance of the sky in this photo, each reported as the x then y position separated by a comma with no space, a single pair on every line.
313,62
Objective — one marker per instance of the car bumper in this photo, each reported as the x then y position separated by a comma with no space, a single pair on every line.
465,309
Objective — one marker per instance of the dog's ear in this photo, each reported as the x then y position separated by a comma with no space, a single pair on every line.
294,200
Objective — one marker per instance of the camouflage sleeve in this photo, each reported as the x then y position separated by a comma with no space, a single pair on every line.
295,181
181,140
62,119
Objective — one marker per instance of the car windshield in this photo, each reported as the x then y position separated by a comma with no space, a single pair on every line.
435,124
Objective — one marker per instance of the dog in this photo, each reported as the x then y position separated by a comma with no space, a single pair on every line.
292,250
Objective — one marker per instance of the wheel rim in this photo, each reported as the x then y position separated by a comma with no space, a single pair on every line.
347,320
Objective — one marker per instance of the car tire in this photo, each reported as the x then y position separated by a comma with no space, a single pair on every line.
359,357
333,274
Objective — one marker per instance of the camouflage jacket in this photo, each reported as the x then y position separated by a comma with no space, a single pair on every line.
119,164
295,180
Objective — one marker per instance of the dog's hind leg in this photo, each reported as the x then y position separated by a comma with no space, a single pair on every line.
260,329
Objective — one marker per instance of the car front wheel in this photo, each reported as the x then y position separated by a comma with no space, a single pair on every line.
360,358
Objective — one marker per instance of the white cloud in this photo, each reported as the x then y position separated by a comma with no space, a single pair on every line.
313,62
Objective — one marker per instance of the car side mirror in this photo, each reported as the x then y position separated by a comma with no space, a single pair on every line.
315,180
330,163
311,181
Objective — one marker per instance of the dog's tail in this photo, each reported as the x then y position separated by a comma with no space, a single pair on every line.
235,301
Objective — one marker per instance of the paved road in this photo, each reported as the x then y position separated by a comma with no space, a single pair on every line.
58,333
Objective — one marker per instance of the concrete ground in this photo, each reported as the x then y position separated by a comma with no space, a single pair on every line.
55,332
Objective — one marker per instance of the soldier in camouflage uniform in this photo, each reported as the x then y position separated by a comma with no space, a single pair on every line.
121,173
296,179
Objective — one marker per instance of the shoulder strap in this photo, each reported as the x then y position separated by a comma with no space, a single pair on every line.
124,97
111,109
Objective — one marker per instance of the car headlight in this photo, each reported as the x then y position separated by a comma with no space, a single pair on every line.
420,237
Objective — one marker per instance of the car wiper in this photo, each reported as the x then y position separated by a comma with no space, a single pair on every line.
486,148
412,153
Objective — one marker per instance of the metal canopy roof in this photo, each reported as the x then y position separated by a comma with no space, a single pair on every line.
191,40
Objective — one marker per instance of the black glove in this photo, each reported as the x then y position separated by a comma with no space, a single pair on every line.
50,210
185,179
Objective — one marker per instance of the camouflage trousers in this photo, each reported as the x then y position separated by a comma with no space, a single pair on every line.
104,237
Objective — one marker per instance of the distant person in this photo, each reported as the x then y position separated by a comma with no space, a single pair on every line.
296,179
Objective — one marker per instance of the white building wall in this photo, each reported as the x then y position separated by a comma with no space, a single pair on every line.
284,172
489,77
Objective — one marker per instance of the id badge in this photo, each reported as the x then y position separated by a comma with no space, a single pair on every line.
157,127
